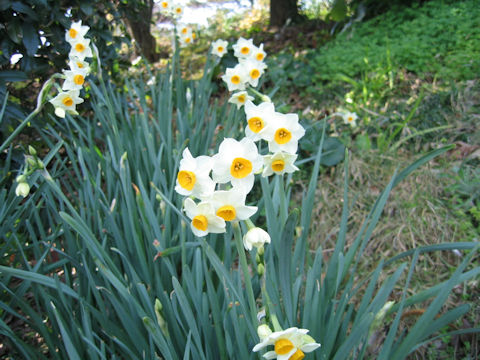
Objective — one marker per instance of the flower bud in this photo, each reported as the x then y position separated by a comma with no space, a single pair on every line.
40,164
21,179
31,150
31,161
263,331
261,250
255,237
22,189
260,269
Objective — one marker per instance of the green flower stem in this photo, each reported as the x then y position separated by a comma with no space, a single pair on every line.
40,101
246,274
249,224
263,97
283,199
269,306
19,128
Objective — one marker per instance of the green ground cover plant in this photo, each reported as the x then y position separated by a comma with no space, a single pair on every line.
98,260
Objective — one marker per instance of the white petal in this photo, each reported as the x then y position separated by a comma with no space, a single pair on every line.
246,184
190,208
310,347
244,212
270,355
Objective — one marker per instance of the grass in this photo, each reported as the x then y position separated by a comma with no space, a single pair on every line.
124,212
382,76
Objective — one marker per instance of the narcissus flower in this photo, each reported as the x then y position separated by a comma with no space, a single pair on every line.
279,163
254,70
76,64
350,118
255,237
193,176
185,40
230,205
289,344
177,10
235,77
258,118
240,98
243,48
66,102
237,161
74,79
184,30
81,49
283,133
76,32
219,47
258,53
204,219
164,5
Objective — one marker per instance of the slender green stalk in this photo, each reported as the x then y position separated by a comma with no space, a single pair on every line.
19,128
40,101
269,306
263,97
283,199
246,274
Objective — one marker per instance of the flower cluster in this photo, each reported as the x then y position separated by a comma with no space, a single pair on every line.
69,97
250,67
171,8
175,10
235,163
247,72
186,35
32,164
217,186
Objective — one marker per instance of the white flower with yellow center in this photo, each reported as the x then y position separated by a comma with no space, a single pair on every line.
279,163
240,98
236,77
230,205
164,6
65,102
350,118
176,10
204,219
74,79
219,47
76,64
258,53
76,32
256,237
186,40
185,34
289,344
193,176
258,118
237,162
254,70
183,30
81,49
283,133
243,48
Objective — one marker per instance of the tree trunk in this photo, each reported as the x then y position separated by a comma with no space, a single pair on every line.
282,10
138,21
